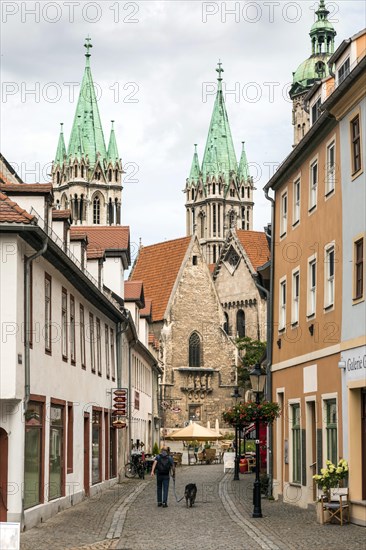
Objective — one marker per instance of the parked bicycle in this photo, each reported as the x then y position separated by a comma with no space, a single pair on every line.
137,466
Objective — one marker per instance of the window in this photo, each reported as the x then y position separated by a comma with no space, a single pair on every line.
72,330
107,363
330,169
282,316
240,323
56,452
82,337
194,350
358,269
113,359
283,227
64,323
96,210
296,198
226,324
70,438
214,221
331,430
329,276
315,111
92,342
34,454
202,219
295,297
312,287
99,349
48,312
343,71
313,185
96,446
356,144
296,443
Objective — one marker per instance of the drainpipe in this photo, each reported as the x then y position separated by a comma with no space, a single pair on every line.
27,323
269,341
27,327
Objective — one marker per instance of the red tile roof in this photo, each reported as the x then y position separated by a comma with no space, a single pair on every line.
102,238
61,214
10,212
255,245
158,266
133,290
25,188
154,341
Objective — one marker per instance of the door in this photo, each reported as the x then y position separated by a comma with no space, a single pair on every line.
3,475
86,454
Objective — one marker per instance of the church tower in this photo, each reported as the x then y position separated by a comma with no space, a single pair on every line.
87,176
322,36
219,193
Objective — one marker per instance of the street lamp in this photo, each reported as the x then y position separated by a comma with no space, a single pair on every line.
236,396
257,380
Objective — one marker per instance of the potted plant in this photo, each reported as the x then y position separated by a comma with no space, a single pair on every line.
248,412
330,477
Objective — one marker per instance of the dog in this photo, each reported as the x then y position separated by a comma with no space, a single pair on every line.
190,493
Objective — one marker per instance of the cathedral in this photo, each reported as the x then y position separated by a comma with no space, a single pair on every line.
87,176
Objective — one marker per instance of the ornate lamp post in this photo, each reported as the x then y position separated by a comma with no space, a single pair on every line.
236,396
257,380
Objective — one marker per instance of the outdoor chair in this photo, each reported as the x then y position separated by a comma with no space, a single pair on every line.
337,504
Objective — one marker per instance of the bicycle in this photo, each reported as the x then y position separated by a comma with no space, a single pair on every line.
136,467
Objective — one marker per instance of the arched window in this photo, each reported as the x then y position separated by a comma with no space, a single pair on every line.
202,227
116,175
194,350
240,323
96,210
58,177
82,171
231,219
75,171
213,189
192,194
242,192
109,175
226,324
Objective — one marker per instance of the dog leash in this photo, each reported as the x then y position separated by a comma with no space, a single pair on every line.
175,494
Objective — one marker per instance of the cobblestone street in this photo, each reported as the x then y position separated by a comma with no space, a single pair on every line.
126,518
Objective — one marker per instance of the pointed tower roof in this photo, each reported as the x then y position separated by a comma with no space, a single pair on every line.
61,149
322,36
243,171
195,168
112,147
91,131
219,156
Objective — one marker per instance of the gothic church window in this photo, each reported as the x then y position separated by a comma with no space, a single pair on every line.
96,210
226,324
240,323
194,350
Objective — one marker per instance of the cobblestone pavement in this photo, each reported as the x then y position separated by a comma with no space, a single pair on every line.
126,518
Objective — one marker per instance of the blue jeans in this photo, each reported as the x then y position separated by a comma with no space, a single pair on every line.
162,487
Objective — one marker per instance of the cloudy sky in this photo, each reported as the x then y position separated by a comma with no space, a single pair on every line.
154,63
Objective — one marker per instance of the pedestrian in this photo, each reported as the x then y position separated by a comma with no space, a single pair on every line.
163,464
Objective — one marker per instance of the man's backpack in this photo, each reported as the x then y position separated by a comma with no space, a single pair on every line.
163,465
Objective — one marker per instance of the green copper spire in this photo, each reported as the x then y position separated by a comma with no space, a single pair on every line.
322,35
92,139
61,149
243,172
112,147
219,156
195,168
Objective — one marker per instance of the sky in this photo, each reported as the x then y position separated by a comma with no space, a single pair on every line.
153,64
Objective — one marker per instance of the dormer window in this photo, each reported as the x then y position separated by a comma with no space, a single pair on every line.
343,71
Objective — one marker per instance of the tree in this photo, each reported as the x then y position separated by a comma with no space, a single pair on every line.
252,352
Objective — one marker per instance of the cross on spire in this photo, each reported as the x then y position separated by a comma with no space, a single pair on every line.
219,70
88,45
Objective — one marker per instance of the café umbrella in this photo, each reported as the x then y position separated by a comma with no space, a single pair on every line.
195,432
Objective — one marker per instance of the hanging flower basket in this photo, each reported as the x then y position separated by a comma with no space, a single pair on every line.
245,413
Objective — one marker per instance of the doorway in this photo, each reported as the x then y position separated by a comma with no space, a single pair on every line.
86,454
3,475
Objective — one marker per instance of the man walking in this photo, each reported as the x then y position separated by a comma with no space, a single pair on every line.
163,464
